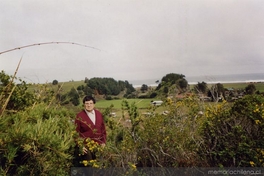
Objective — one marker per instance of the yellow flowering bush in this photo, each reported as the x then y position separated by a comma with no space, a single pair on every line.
92,163
233,136
93,147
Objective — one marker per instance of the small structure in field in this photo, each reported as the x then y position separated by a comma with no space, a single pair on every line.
112,114
157,102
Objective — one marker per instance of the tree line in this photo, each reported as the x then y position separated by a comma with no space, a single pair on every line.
109,88
218,91
106,87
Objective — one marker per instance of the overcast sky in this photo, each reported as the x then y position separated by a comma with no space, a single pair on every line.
131,39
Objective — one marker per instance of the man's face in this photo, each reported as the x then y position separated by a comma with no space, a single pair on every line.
89,105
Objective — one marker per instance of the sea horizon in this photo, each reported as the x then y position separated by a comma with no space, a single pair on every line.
212,79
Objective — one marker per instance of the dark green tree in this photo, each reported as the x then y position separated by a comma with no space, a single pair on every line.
171,79
81,87
86,80
166,90
144,88
109,86
129,88
74,97
250,89
55,82
182,83
201,87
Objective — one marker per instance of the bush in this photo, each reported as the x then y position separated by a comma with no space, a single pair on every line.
143,96
233,136
171,140
14,97
156,141
153,95
38,141
55,82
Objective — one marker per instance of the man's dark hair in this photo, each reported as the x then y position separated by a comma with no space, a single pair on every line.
88,98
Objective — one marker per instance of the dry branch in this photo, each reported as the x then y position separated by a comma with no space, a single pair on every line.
47,43
8,88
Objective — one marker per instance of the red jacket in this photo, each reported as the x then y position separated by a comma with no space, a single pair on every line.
86,128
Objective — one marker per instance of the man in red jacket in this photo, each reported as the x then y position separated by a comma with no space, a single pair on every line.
90,124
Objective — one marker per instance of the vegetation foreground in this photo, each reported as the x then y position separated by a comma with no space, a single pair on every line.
38,136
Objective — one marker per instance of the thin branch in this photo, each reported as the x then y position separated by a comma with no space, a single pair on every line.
12,80
7,89
16,70
6,102
162,151
48,43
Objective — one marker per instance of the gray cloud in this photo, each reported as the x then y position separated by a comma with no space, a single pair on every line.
138,39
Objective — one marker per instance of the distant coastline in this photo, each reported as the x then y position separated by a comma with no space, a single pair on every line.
232,78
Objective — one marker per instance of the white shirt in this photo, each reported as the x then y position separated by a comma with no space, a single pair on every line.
91,115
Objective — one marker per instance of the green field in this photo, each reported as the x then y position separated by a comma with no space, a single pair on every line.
142,103
67,86
259,86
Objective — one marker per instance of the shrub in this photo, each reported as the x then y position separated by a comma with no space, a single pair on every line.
153,95
38,141
157,141
55,82
143,96
14,97
171,140
233,136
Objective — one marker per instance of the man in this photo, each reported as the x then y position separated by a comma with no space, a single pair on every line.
90,124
